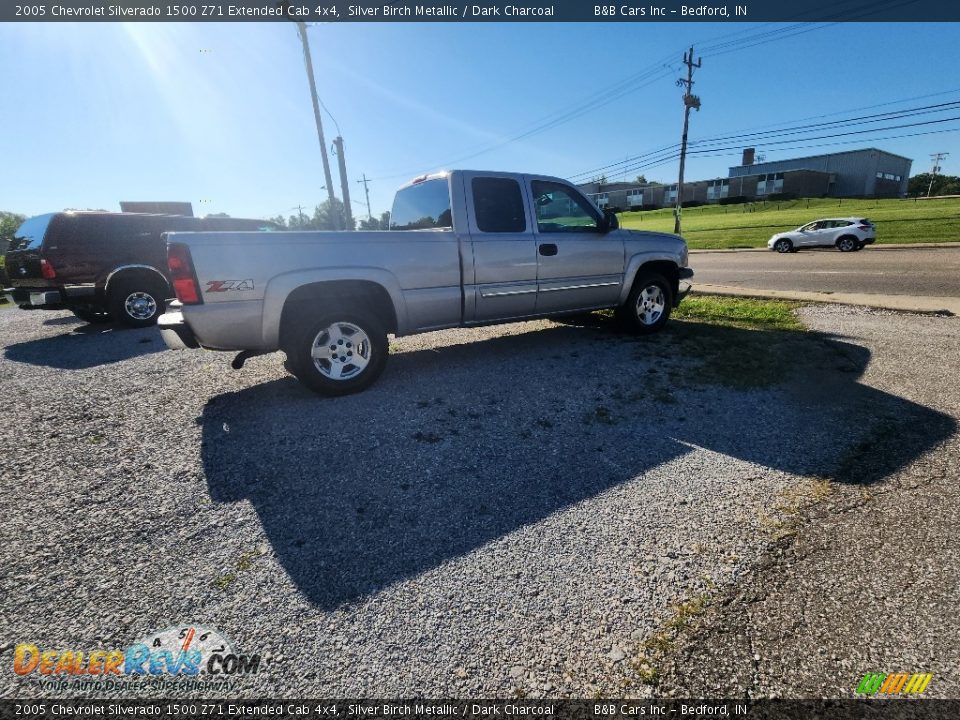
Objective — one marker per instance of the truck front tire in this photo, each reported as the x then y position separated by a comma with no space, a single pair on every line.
648,305
339,353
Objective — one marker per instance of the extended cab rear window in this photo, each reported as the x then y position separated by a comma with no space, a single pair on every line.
423,206
29,235
498,205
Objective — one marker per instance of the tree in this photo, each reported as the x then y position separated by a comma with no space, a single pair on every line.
942,185
381,223
599,179
325,217
9,222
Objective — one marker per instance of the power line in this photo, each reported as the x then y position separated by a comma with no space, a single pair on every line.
787,130
719,152
605,96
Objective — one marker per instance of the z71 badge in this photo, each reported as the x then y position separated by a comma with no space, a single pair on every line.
227,285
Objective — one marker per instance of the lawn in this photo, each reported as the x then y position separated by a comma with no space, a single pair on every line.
752,224
746,313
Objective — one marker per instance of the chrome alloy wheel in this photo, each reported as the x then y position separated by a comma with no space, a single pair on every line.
341,351
140,305
651,303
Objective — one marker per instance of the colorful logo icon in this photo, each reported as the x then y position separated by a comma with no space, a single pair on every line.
177,650
894,683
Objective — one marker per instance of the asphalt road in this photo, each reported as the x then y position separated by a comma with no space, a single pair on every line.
929,272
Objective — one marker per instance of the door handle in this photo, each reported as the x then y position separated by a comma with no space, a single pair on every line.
548,249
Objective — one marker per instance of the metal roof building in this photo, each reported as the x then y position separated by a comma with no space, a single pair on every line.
855,173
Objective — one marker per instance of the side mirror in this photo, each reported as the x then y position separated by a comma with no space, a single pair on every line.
610,221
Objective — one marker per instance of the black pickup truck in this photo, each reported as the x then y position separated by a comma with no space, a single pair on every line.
102,266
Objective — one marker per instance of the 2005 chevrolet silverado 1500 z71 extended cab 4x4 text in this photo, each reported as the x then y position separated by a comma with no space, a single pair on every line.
464,249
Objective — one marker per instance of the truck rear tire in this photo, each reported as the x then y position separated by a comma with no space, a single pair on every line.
648,305
339,353
136,303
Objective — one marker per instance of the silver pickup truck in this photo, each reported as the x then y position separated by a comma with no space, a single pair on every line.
464,249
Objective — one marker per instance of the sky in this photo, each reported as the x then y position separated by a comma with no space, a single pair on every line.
219,114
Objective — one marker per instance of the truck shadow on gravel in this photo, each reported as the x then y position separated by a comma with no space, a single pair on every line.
86,347
460,445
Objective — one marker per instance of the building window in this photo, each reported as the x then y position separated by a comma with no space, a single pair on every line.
635,198
717,189
769,183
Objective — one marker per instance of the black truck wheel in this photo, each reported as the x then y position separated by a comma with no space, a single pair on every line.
339,353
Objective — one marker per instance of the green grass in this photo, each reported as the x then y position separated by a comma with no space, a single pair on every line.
740,312
752,224
741,343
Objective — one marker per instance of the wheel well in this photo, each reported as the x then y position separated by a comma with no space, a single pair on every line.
668,269
306,298
144,276
843,237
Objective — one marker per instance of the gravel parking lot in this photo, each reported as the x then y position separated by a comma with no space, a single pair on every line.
511,510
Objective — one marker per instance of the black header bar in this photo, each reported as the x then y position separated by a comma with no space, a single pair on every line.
634,11
546,709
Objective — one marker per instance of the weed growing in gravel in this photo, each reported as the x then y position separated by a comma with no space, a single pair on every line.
646,672
427,437
601,415
243,563
685,612
790,505
224,581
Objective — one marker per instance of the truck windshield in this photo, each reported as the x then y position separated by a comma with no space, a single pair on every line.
29,236
423,206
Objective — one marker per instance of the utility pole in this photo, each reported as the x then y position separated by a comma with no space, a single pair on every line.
367,191
689,101
936,157
344,183
308,61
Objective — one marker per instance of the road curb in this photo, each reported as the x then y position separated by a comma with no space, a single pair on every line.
926,305
871,248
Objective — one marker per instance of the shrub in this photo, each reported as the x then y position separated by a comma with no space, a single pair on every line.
735,200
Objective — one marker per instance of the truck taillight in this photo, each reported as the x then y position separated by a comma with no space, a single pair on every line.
46,269
182,274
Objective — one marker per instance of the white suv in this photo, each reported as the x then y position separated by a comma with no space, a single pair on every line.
845,234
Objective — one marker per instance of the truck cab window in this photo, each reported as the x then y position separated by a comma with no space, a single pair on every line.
422,206
560,209
498,205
